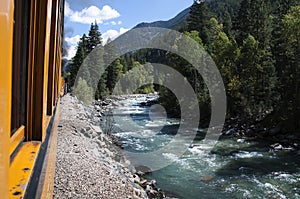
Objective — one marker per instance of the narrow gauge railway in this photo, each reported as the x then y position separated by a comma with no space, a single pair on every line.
31,84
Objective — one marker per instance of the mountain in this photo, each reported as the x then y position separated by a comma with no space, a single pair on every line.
176,23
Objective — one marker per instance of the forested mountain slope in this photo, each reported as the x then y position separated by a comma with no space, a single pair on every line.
178,22
255,45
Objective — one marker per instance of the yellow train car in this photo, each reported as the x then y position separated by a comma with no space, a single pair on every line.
31,83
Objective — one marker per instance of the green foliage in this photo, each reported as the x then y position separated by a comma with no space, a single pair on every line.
291,25
137,80
77,60
91,66
254,43
225,53
254,18
94,38
214,28
199,19
290,78
83,91
256,79
244,50
115,71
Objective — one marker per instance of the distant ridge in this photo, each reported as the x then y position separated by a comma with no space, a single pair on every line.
175,23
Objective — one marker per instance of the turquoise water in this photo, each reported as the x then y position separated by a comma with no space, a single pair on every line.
233,169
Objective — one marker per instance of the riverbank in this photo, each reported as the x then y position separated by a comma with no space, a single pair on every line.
88,164
234,166
91,165
274,136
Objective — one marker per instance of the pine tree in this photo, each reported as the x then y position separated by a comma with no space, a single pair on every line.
199,19
291,84
225,53
243,21
227,23
77,60
254,18
94,38
249,69
89,66
96,62
258,79
279,44
113,74
214,28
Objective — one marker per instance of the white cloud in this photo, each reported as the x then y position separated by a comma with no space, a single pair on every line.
68,10
71,52
72,44
112,34
90,14
73,40
114,23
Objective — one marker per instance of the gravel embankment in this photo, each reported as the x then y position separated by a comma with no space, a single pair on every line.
88,164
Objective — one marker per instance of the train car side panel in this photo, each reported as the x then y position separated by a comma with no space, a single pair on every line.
6,34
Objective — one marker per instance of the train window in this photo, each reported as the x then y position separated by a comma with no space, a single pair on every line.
20,59
52,62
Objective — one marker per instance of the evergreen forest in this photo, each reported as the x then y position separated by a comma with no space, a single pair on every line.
255,45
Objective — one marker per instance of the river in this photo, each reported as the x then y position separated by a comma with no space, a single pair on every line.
235,168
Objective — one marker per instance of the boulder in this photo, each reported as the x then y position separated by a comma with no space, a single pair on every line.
136,178
97,129
276,146
143,169
105,103
207,178
229,132
148,188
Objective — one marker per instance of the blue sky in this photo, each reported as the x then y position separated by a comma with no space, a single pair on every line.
115,17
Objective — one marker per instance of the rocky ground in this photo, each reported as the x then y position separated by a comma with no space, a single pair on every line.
88,164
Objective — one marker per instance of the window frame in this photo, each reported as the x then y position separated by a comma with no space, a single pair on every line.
19,67
37,118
